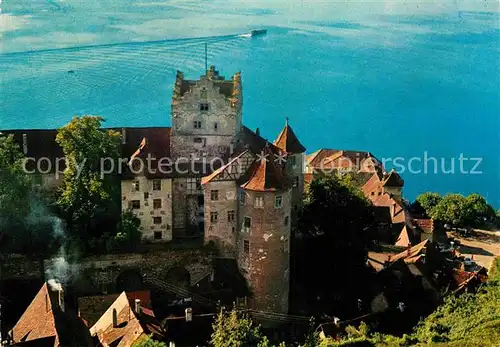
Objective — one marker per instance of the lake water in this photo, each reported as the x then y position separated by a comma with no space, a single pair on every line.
403,86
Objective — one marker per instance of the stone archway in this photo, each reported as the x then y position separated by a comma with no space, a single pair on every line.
129,281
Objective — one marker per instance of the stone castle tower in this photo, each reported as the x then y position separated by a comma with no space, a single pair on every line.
206,115
263,243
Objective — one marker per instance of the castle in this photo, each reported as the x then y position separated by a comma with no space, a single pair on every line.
229,185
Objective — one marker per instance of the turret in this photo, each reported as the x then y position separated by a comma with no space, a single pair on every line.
264,234
290,145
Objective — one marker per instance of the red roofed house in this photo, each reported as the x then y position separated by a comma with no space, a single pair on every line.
124,324
48,322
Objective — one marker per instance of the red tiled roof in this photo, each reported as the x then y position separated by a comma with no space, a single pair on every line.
426,224
265,176
44,319
407,237
38,320
131,325
288,142
413,254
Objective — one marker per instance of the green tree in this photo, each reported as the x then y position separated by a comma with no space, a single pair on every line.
89,199
451,209
234,329
427,201
478,210
15,184
335,223
147,341
128,235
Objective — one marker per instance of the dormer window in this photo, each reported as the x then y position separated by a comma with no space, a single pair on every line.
204,107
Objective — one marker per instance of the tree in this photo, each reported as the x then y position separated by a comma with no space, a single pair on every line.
451,209
89,199
463,211
427,201
233,329
127,236
478,210
147,341
15,184
335,224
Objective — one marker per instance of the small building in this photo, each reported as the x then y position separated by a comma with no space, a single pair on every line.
124,324
49,322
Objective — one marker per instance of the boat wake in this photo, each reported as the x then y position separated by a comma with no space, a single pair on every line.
245,35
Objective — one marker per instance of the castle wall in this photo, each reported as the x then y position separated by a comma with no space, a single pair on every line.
223,231
156,221
264,249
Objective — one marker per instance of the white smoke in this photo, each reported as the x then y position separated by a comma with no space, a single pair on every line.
54,285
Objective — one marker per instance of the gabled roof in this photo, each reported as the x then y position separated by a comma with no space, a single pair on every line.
265,175
413,254
131,325
44,321
406,237
288,142
220,170
393,179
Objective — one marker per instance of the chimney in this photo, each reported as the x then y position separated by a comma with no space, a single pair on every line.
408,249
124,136
138,306
189,314
257,132
60,298
25,144
115,318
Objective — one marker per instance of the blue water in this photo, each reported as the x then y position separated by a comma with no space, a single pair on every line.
394,83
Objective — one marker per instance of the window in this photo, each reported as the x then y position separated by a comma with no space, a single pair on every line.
135,204
372,193
247,223
156,184
259,202
230,216
156,220
379,193
216,126
197,124
204,106
198,140
278,202
292,160
203,94
214,216
157,203
214,195
193,185
158,235
136,186
295,182
242,197
146,195
246,247
287,220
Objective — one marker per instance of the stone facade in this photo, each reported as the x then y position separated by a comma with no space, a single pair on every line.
151,201
206,116
263,243
221,212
